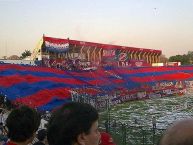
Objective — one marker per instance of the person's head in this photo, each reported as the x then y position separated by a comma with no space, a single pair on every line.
22,123
74,124
106,139
180,133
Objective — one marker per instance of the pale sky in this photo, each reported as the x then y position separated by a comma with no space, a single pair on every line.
165,25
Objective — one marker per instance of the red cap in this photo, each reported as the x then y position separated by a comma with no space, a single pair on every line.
106,139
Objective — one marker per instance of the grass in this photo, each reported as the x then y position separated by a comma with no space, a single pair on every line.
137,117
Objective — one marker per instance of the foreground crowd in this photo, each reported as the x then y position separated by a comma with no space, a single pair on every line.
74,124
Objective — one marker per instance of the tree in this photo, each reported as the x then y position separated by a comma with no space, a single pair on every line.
163,59
190,56
4,57
25,54
184,59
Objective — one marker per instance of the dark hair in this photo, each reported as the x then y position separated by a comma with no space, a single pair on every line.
41,134
69,121
22,123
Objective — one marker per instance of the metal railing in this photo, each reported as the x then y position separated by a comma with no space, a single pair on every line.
125,134
122,133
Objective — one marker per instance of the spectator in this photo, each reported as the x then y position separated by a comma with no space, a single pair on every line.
42,137
3,137
22,123
154,122
106,139
1,116
74,124
107,125
180,133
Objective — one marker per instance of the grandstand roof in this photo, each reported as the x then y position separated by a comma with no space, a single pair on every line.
98,45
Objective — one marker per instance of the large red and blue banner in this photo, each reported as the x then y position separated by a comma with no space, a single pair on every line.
56,45
46,88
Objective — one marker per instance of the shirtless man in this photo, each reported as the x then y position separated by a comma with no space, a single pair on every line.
180,133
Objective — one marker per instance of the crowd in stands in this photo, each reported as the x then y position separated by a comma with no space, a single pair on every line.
67,64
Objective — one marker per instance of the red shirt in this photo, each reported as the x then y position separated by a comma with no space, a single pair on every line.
10,143
106,139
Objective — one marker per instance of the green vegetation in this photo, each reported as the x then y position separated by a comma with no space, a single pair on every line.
25,54
185,59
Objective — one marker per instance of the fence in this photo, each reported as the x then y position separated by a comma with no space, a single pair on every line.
125,134
122,133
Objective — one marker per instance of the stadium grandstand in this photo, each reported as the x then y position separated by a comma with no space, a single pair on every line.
91,53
